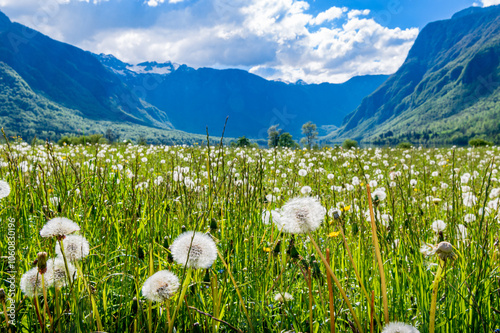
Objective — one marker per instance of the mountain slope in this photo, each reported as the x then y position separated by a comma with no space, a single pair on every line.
24,112
72,77
204,97
443,92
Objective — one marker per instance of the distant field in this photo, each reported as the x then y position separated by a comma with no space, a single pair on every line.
131,203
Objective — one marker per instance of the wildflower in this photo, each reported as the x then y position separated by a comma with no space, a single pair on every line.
469,218
31,282
4,189
279,297
379,195
58,227
333,234
56,272
305,190
335,213
444,250
160,286
469,199
302,172
462,231
438,225
398,327
75,248
300,215
194,249
413,182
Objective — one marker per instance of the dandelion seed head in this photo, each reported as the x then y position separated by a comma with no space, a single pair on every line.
398,327
4,189
31,281
59,226
75,247
438,225
56,272
200,248
379,195
300,215
160,286
283,297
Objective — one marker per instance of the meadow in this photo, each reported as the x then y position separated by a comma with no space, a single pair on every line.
394,262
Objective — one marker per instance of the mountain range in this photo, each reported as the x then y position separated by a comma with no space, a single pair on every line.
50,88
447,90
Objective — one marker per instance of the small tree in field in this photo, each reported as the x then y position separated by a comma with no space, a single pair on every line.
349,143
287,141
273,135
310,132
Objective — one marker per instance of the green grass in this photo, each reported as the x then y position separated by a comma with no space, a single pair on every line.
130,226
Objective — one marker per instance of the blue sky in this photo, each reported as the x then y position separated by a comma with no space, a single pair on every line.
312,40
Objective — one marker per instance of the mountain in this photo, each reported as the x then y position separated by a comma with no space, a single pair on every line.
50,88
197,98
27,113
446,91
72,77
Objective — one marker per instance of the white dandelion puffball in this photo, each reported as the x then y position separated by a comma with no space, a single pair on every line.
160,286
300,215
59,226
75,248
379,195
469,218
31,281
438,225
469,199
200,247
56,272
398,327
305,190
4,189
302,172
279,297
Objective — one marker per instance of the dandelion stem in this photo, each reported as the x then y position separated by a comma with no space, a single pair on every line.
435,284
97,317
379,257
337,282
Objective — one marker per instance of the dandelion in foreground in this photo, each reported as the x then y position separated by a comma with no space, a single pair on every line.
398,327
31,281
300,215
75,248
4,189
194,249
283,297
160,286
56,272
59,227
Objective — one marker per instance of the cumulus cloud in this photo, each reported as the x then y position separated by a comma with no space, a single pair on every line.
279,39
487,3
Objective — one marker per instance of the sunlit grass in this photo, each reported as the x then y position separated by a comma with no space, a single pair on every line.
131,202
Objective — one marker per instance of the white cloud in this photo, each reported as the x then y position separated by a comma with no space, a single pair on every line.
328,15
277,39
487,3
